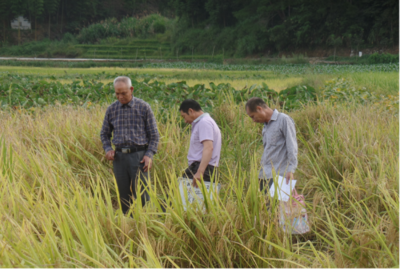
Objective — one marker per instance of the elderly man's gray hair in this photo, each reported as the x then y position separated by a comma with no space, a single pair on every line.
123,79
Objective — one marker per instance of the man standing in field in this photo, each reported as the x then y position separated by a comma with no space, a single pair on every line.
279,140
135,138
205,142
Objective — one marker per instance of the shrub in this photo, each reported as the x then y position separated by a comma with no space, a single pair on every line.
27,49
377,58
159,27
69,38
127,27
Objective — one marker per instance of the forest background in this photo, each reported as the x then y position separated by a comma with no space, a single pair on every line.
232,28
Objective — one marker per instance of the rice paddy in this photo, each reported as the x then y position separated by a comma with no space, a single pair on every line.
59,200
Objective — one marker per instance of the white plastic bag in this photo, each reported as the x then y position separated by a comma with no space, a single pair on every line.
194,194
293,215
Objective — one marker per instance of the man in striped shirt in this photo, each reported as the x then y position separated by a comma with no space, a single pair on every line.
279,140
135,138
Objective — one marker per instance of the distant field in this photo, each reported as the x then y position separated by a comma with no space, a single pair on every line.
380,82
238,79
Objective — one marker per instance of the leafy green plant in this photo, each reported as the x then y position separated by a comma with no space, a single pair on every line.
26,91
341,90
297,96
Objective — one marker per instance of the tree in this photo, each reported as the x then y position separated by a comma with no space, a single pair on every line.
35,8
334,41
220,12
391,13
132,5
51,7
193,11
4,15
17,8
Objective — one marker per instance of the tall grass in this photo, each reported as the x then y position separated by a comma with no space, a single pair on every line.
59,202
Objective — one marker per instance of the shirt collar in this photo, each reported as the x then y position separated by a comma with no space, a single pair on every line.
200,117
273,117
130,104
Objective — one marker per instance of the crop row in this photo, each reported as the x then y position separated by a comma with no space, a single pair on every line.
126,51
25,92
132,47
123,56
280,69
146,41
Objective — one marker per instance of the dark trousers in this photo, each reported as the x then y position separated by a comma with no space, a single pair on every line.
192,170
129,174
265,184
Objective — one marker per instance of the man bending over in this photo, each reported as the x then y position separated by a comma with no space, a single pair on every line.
205,142
279,140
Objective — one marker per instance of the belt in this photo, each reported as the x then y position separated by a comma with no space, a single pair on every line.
131,149
198,163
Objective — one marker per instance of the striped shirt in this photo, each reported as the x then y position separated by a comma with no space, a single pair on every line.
133,125
280,146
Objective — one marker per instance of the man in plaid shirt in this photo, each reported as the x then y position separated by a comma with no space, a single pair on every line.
135,138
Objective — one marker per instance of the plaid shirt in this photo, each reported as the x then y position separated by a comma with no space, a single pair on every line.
133,124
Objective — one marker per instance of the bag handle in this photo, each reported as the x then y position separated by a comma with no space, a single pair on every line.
295,192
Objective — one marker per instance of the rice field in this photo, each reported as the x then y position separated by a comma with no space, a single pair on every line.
59,200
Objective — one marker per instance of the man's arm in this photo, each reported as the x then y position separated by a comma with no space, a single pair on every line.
206,137
106,131
152,133
289,131
208,148
154,137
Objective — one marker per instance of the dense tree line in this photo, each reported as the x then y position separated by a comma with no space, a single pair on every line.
235,26
259,25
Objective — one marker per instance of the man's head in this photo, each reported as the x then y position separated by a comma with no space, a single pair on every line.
257,110
123,89
190,110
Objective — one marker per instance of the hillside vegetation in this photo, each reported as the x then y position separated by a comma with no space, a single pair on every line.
202,30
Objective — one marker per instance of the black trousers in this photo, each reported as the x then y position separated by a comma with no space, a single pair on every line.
208,173
130,176
265,184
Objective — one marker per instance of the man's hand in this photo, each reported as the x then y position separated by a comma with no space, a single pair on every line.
147,163
289,176
110,155
197,177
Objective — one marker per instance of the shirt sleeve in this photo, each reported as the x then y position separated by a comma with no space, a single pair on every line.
106,131
152,133
289,131
206,131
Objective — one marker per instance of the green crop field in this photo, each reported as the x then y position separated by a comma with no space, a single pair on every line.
59,201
